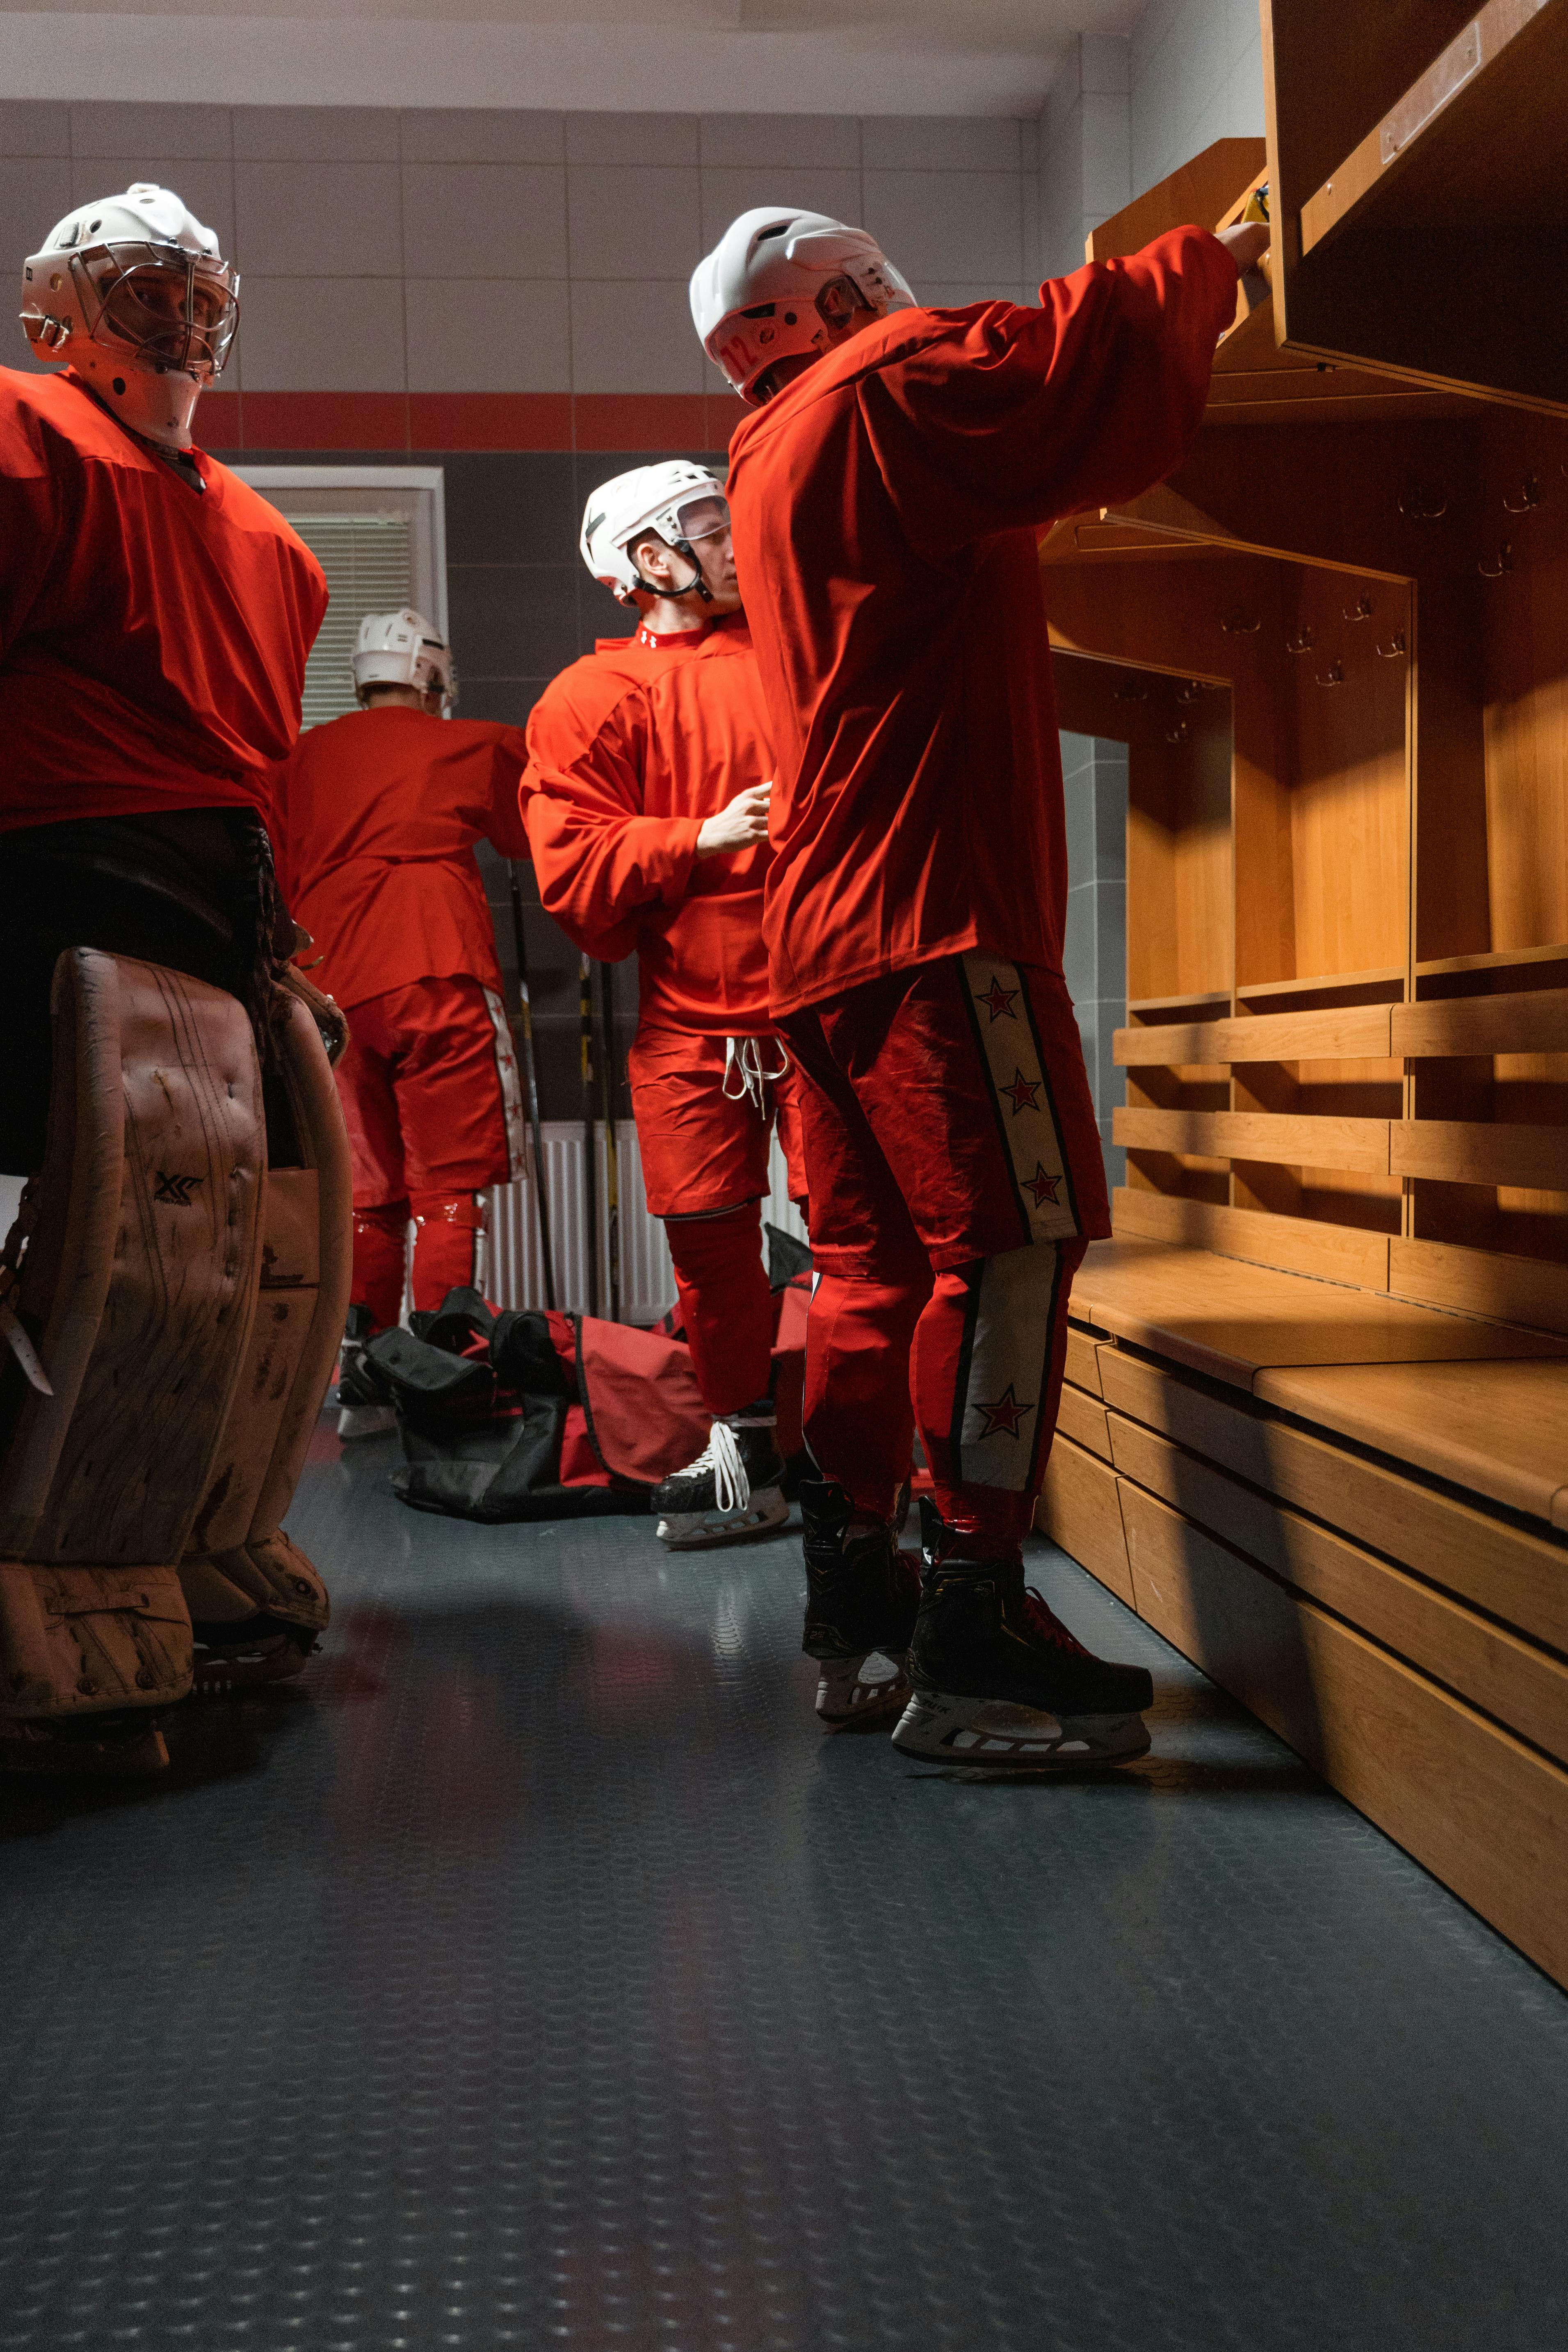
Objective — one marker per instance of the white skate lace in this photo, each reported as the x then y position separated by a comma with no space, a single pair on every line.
721,1454
743,1061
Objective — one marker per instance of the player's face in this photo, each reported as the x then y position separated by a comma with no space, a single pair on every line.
707,527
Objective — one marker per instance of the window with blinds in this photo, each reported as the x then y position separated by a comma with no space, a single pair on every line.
369,562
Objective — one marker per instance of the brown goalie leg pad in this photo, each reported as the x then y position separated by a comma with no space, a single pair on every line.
86,1641
119,1749
136,1290
243,1576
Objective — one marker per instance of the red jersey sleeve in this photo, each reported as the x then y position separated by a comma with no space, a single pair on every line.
506,832
598,859
1020,415
30,519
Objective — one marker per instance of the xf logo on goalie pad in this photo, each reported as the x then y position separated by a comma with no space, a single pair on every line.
176,1190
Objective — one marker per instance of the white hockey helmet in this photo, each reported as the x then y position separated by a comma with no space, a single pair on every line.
133,292
402,649
754,299
669,499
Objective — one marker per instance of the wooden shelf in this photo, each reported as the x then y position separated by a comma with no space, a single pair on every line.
1334,1033
1324,983
1216,997
1494,959
1430,248
1532,1022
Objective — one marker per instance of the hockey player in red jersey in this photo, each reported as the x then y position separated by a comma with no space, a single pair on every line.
888,490
646,800
170,1291
382,808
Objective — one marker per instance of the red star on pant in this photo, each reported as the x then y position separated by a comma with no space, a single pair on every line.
1042,1186
1004,1418
1024,1094
999,1000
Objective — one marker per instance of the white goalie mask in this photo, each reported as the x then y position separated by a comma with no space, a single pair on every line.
402,649
756,299
133,292
679,500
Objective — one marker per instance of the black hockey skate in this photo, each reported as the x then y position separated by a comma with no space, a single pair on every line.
998,1680
861,1595
363,1410
732,1493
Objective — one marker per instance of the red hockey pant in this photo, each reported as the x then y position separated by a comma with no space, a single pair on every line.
956,1178
705,1169
431,1101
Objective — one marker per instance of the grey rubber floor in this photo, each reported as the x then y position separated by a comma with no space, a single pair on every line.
538,1975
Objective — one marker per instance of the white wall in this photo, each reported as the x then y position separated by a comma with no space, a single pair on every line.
1196,75
1085,149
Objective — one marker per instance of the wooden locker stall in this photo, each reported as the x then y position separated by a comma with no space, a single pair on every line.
1317,1427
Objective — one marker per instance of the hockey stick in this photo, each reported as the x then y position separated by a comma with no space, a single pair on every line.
590,1142
612,1151
531,1080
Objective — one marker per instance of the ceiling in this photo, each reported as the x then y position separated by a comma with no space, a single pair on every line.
756,56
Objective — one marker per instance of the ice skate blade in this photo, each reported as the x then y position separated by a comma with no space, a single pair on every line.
854,1690
1000,1733
364,1421
218,1673
702,1530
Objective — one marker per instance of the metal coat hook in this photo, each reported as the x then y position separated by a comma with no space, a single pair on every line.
1424,503
1504,562
1190,691
1130,694
1360,610
1393,648
1333,675
1236,624
1176,734
1300,644
1531,495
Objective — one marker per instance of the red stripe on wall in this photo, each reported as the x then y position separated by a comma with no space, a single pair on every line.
489,420
238,421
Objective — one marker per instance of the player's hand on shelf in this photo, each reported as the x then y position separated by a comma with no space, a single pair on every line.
745,822
1245,244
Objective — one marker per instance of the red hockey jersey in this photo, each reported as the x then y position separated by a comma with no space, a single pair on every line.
629,752
377,818
152,637
885,507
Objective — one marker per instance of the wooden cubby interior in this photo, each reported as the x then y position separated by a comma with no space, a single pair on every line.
1415,155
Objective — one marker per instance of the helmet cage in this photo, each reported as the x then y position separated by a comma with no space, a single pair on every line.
670,524
157,303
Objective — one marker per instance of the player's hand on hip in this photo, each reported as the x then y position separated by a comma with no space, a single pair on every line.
740,826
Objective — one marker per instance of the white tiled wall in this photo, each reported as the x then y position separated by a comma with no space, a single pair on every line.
492,250
1085,159
1197,75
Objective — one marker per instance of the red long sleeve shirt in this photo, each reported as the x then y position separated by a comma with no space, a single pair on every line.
152,637
886,509
377,814
629,752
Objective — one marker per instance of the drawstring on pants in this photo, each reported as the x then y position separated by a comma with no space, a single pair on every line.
743,1063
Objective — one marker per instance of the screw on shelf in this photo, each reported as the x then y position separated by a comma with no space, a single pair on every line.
1236,624
1394,649
1531,495
1333,675
1360,610
1302,643
1424,503
1504,562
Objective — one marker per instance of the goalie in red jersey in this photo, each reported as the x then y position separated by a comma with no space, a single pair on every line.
887,489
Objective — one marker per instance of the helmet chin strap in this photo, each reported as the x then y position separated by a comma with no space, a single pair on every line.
696,583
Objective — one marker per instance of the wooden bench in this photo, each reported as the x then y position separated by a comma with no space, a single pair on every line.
1352,1512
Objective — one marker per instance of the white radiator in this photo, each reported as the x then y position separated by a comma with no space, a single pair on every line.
648,1283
